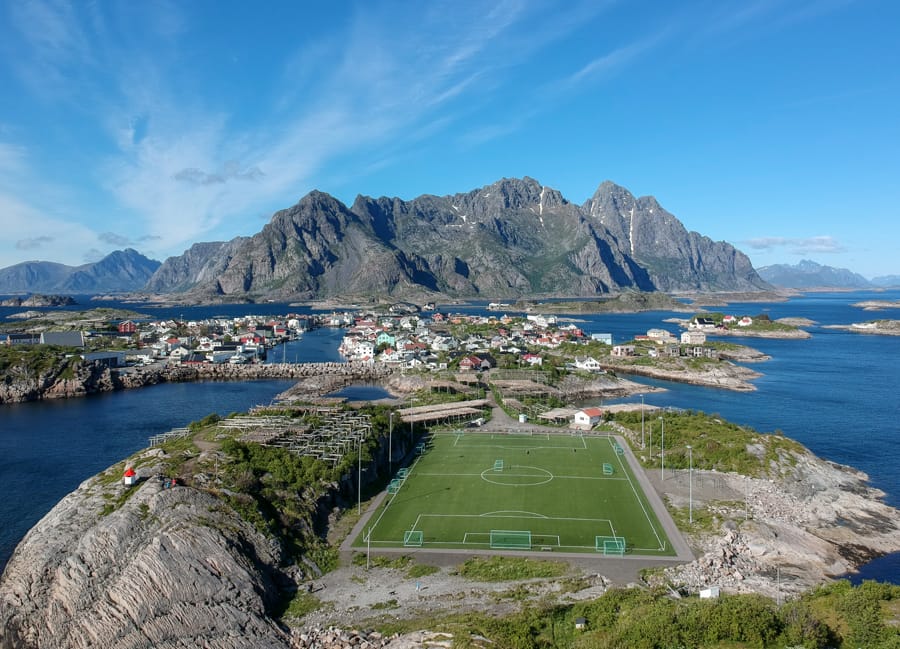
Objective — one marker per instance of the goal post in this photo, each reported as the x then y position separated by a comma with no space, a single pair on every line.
511,539
610,545
413,538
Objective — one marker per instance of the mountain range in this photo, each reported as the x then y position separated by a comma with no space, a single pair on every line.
515,237
121,270
809,274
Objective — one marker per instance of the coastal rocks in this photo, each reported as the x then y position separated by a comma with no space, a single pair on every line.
40,300
111,566
88,378
816,520
334,638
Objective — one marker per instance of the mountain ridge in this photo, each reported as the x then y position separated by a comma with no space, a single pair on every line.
119,271
511,238
810,274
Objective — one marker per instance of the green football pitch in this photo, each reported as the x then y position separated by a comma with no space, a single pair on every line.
480,490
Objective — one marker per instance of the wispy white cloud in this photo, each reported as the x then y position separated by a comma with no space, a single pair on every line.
614,60
367,88
823,244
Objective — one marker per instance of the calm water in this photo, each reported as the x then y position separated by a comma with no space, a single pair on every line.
835,393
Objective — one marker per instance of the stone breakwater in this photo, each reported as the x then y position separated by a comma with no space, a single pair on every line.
316,378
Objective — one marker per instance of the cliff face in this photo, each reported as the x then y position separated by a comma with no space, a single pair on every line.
169,568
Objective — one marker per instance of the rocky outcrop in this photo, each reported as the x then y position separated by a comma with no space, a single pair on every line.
170,567
200,264
40,300
815,520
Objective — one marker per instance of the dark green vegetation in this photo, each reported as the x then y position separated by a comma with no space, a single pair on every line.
31,361
553,487
716,443
837,615
275,490
761,323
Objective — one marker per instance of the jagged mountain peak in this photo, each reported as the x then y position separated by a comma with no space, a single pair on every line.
512,237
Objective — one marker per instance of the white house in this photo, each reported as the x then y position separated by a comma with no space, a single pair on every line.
660,336
587,363
622,350
587,418
746,321
693,337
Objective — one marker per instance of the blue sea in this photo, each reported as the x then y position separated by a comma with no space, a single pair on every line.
835,393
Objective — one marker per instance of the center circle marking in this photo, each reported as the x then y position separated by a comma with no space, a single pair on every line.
489,475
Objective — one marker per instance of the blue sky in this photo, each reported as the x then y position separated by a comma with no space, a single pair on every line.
771,124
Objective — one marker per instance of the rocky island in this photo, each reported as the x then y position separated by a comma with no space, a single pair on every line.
108,565
873,327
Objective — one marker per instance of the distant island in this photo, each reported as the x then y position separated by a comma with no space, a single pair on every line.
873,327
40,301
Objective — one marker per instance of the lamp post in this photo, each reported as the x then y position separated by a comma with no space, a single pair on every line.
690,484
642,421
650,440
662,451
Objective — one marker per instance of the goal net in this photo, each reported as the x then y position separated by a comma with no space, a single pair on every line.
610,545
510,540
413,538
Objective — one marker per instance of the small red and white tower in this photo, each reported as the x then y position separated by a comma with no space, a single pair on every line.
129,478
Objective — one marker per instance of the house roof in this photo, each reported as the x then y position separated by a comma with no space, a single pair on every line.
129,473
592,412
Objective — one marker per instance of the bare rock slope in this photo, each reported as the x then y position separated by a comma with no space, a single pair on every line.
170,567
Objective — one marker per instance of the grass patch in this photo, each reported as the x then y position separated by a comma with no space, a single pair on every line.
380,606
421,570
381,561
300,605
510,569
717,444
115,502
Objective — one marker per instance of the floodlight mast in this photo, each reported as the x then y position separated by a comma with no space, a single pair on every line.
662,451
690,484
642,421
391,443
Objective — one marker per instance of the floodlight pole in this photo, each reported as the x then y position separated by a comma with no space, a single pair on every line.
359,481
690,484
662,451
650,440
642,421
391,443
